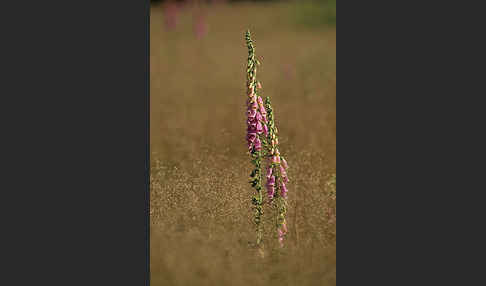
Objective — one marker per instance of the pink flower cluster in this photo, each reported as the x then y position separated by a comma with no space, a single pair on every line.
256,121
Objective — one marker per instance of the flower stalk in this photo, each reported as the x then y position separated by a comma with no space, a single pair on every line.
255,136
276,176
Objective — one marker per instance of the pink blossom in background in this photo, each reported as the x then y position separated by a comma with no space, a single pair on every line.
171,15
200,26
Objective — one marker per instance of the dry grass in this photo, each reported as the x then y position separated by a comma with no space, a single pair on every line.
201,216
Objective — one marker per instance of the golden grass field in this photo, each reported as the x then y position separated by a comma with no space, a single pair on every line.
201,211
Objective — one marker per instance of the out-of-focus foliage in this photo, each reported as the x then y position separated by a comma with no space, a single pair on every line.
314,13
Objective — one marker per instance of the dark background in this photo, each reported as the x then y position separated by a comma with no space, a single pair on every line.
75,190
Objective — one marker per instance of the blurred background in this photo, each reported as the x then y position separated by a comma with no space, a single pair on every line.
201,212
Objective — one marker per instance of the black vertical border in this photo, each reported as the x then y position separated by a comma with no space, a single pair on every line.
147,136
411,143
75,142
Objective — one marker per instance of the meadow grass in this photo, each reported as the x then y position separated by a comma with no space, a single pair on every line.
201,211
